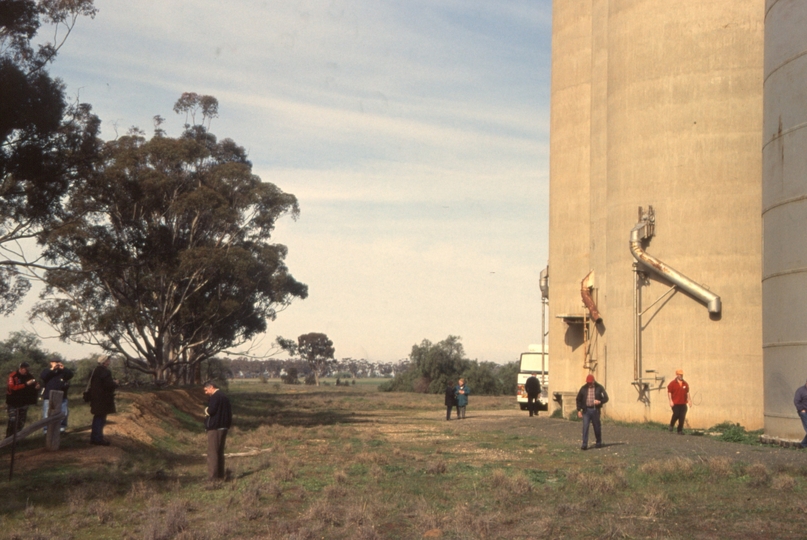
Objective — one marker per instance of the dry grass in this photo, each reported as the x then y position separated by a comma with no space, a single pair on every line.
783,482
598,483
677,468
758,475
379,466
437,467
721,467
655,505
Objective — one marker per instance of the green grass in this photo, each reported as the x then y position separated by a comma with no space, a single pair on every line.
351,462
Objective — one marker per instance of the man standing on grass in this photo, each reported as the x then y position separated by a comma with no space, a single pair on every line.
102,399
462,392
451,400
55,378
800,401
678,394
590,399
533,388
20,394
218,419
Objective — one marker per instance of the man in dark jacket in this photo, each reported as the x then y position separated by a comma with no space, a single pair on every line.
451,400
590,399
55,377
20,394
533,388
218,419
800,401
102,399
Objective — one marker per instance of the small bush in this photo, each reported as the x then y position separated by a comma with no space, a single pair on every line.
758,475
720,466
340,477
655,505
783,482
731,432
438,467
677,468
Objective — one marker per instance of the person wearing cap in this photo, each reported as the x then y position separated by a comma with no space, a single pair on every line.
55,377
218,419
533,388
590,399
678,394
102,399
800,401
21,392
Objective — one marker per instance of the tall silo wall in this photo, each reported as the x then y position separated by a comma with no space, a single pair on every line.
570,135
675,122
784,211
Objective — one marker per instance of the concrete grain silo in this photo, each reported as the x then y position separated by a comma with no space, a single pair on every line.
784,211
658,104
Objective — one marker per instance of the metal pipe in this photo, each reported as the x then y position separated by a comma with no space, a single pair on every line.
585,293
711,300
543,283
637,325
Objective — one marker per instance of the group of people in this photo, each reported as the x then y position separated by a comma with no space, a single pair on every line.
23,391
592,396
457,396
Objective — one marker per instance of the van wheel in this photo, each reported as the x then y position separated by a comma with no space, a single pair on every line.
523,406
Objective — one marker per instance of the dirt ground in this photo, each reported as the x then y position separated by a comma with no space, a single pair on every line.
637,443
146,417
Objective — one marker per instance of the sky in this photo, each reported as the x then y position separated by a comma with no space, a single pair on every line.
414,134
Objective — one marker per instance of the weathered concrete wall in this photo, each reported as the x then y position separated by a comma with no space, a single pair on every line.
674,118
569,169
784,210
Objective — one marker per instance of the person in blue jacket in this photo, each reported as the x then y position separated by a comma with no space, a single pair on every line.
462,392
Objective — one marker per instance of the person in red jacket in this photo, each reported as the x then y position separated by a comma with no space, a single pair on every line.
20,393
678,393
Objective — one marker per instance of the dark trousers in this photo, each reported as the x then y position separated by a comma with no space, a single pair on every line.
449,408
679,414
16,421
591,415
532,404
98,423
803,416
215,453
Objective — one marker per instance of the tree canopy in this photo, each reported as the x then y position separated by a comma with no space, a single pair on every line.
164,255
433,365
44,142
316,349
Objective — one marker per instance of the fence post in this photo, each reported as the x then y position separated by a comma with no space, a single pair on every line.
53,436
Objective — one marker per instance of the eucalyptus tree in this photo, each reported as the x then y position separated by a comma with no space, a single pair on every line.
166,256
315,348
45,143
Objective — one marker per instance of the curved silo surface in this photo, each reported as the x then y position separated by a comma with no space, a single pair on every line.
784,212
684,132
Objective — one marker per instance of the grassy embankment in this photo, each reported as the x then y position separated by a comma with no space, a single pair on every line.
353,463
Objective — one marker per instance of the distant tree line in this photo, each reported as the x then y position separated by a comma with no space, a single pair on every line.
432,365
345,368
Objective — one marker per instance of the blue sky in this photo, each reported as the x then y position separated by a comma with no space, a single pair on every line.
414,134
